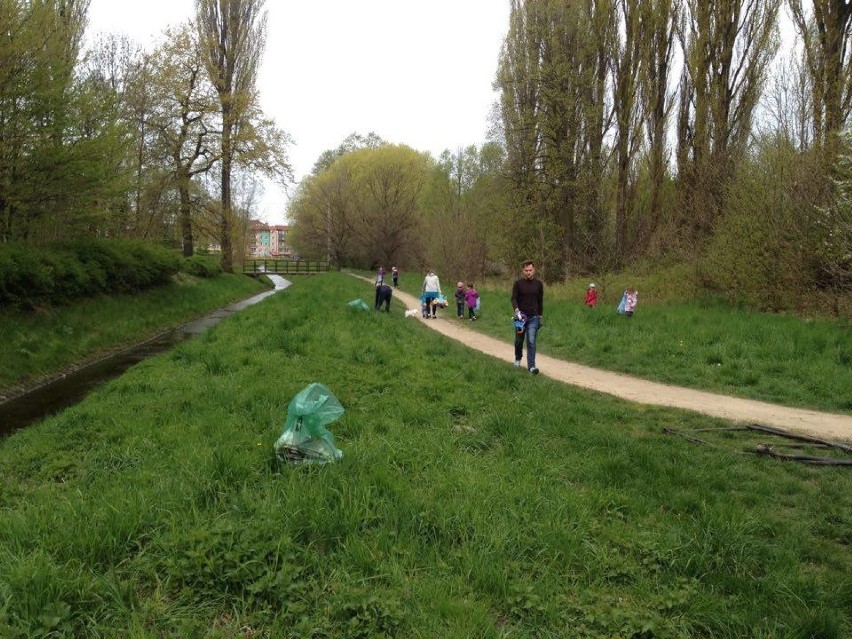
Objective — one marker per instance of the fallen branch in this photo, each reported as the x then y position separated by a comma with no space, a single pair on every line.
765,449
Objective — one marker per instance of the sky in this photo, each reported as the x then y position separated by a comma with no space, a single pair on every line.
415,72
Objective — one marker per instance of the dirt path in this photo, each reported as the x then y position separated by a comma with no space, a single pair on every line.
810,422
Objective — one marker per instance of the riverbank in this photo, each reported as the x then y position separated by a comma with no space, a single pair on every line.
46,343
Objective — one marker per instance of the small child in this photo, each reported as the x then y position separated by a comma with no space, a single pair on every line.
632,300
591,296
472,299
628,302
460,296
395,275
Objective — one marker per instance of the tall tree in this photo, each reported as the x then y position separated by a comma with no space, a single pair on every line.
728,46
232,34
184,118
41,146
826,33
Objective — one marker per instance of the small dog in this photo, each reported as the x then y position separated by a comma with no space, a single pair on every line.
412,312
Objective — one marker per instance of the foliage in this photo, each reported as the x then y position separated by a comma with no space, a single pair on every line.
202,266
58,137
480,502
63,271
364,209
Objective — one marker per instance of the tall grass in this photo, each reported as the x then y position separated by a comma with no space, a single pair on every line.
474,500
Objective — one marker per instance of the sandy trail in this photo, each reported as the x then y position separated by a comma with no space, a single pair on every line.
809,422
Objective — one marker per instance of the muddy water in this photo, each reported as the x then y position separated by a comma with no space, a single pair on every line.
69,389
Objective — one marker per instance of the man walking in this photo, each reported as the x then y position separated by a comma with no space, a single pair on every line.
528,302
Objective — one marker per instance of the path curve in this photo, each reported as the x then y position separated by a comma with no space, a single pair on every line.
810,422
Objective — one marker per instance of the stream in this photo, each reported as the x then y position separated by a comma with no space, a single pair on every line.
69,389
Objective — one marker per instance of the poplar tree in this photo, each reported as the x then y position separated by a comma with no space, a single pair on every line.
232,35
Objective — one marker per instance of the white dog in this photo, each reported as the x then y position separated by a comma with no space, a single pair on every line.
412,312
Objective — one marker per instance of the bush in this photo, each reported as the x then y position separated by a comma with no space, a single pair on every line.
202,266
57,273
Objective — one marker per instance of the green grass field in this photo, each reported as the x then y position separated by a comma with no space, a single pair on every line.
473,500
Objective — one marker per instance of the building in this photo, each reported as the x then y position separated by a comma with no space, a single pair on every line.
268,241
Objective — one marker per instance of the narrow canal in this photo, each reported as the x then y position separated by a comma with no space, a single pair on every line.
57,395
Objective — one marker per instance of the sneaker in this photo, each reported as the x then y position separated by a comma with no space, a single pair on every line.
534,370
517,363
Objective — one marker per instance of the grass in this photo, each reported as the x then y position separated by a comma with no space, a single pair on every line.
38,344
473,500
704,344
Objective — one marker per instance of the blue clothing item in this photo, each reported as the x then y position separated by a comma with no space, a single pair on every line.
530,332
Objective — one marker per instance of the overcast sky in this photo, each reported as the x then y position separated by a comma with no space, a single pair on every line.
415,72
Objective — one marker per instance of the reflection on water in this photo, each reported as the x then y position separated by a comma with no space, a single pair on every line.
69,389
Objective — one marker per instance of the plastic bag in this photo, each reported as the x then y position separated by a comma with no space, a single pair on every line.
441,300
305,439
359,303
622,304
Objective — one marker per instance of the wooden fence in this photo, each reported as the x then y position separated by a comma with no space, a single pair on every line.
285,267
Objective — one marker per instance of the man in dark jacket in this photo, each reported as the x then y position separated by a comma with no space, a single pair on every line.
528,302
384,293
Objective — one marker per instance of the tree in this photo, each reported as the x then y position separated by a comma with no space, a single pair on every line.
364,209
728,45
827,37
184,118
232,35
53,151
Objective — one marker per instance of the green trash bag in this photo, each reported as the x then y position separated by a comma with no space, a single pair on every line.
359,303
305,439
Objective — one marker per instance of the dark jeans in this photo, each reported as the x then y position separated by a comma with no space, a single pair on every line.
471,312
530,332
460,309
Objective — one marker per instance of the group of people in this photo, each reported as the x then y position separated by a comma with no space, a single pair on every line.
629,299
527,302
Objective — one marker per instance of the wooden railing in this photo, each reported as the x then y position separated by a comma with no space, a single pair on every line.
285,267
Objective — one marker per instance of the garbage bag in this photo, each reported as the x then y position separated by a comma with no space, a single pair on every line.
359,303
305,439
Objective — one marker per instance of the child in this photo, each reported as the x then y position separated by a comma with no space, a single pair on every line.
395,275
460,299
628,302
380,276
632,300
591,296
472,299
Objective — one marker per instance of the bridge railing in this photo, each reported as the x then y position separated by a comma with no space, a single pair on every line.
285,267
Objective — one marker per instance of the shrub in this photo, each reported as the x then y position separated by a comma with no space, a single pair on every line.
202,266
60,272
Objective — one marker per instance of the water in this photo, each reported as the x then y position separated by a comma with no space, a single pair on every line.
59,394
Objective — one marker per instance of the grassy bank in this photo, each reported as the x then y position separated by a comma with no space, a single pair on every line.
704,344
474,500
38,344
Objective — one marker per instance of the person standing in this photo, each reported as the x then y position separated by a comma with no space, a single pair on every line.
395,276
591,296
431,291
460,300
380,276
472,299
528,302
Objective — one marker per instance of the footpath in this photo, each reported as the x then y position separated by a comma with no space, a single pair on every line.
808,422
